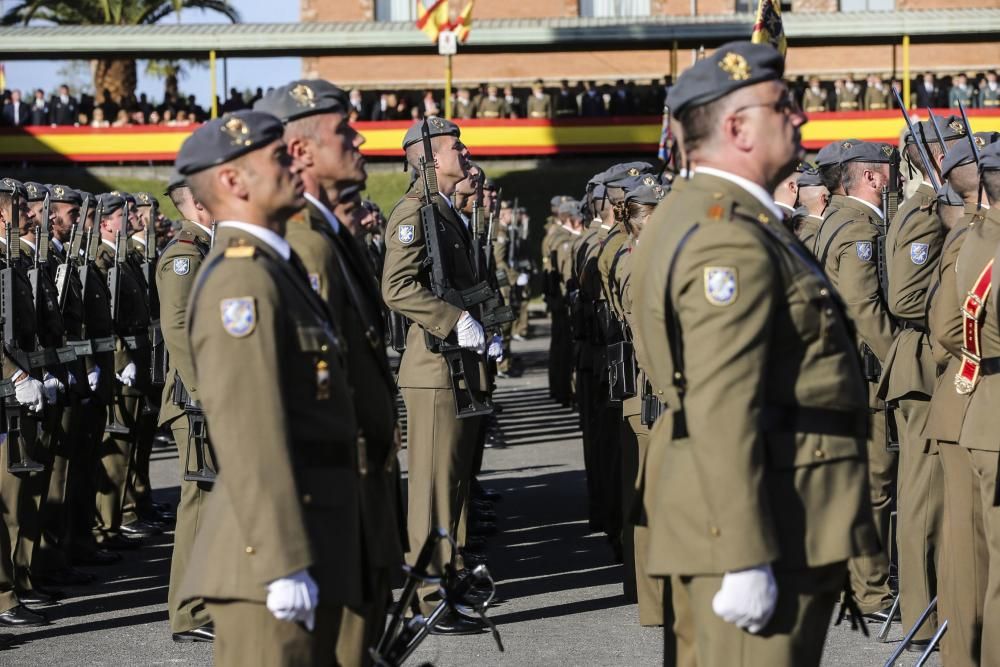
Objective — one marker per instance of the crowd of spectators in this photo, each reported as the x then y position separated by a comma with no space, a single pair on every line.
490,101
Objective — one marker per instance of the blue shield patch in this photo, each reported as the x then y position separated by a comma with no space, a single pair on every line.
182,266
919,252
406,234
864,250
239,316
721,285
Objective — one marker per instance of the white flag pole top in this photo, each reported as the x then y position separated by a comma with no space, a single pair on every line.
447,43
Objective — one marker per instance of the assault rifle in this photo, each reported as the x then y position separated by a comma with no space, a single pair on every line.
471,400
925,160
72,249
113,426
18,461
968,132
158,354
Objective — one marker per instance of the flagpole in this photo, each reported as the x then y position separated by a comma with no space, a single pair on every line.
447,87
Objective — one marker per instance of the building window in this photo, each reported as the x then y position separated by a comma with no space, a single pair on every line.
614,8
750,6
867,5
395,10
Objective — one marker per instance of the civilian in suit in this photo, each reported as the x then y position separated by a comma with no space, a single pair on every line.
39,109
16,113
63,107
927,92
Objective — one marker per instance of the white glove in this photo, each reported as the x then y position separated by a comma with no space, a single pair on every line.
470,333
495,350
28,392
747,598
94,377
52,387
294,598
127,376
522,279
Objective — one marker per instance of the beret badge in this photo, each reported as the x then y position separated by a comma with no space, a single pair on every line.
303,96
649,180
736,66
237,131
846,145
436,122
959,128
32,190
59,191
887,149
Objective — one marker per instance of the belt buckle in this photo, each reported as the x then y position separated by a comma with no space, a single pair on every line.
962,384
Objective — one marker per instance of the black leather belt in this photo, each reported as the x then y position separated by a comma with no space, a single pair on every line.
989,366
822,421
915,326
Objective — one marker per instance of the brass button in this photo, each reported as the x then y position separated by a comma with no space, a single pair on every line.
306,499
820,454
457,246
829,311
324,347
250,551
715,531
824,292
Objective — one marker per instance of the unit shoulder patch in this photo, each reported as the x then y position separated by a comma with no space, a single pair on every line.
405,234
864,250
721,285
182,266
239,316
919,253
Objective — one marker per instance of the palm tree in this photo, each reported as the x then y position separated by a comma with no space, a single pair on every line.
116,75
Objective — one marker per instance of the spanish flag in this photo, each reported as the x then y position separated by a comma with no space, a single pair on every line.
463,24
768,29
434,19
3,77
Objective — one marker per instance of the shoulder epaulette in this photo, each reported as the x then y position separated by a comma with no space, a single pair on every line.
240,251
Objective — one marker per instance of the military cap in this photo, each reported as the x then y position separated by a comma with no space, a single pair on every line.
951,128
9,186
489,184
810,179
635,182
948,197
109,202
829,155
646,194
558,199
85,196
227,138
732,66
436,126
505,204
305,97
36,191
569,207
961,153
61,194
143,199
175,181
868,152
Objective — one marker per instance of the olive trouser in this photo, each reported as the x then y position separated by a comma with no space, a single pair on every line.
870,574
440,454
964,560
919,512
19,516
190,614
649,590
984,471
793,637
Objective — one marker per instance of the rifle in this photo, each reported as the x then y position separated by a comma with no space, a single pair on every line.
921,149
968,132
113,426
890,204
18,461
158,353
470,400
62,271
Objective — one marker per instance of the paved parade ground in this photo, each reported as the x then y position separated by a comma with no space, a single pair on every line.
562,597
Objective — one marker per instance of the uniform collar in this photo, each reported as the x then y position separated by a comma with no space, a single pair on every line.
758,193
327,213
276,243
877,210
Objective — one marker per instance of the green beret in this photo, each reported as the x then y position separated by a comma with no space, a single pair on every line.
144,199
868,152
950,127
305,97
948,197
36,191
62,194
109,202
227,138
961,153
9,186
732,66
989,157
437,126
647,194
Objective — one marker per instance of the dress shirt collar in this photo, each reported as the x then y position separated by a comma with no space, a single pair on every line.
874,208
758,193
278,244
327,213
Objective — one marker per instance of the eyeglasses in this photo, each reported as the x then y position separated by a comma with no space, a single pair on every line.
785,104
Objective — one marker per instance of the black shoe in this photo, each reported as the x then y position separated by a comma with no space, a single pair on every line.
96,557
454,624
120,543
881,615
39,598
482,528
920,645
473,559
21,617
205,633
140,528
67,576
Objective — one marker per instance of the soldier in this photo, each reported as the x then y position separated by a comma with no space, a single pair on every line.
28,393
977,378
565,102
989,92
440,445
814,100
785,196
813,196
714,265
464,108
828,163
961,93
848,243
490,106
561,336
281,547
179,408
848,95
876,94
320,138
501,256
539,104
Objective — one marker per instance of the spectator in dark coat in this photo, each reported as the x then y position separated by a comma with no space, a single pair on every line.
16,113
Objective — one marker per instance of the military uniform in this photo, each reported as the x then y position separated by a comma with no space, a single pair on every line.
989,97
539,106
876,99
849,99
808,230
814,102
560,336
175,277
492,108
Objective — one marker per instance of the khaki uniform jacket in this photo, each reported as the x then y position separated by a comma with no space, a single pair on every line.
762,334
539,107
133,318
852,267
947,409
613,242
495,108
824,232
176,272
808,231
913,252
849,100
875,99
272,379
989,99
982,419
814,102
566,248
501,249
25,322
406,287
339,273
